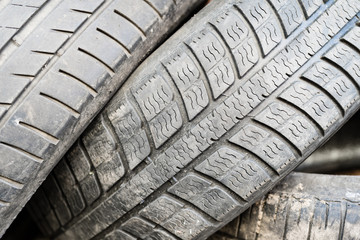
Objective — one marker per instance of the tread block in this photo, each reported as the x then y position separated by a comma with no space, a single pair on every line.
130,40
90,188
11,159
139,187
293,126
269,148
334,82
68,20
235,170
311,6
186,224
161,209
128,128
8,192
160,235
69,187
300,213
346,58
64,91
353,37
98,47
138,227
22,14
352,220
331,212
78,161
321,108
207,48
92,75
131,8
56,199
238,36
43,121
153,96
273,219
155,99
221,77
102,151
211,199
165,124
263,20
83,5
211,54
118,234
45,42
290,14
162,6
25,63
186,76
6,34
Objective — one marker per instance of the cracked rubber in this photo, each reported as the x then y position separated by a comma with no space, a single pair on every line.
303,206
220,113
60,62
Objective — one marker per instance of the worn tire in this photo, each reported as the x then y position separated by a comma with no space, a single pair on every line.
210,122
60,62
303,206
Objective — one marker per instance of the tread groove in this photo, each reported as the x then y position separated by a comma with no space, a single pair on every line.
11,182
154,8
343,71
4,203
124,48
107,67
326,93
24,152
350,45
192,206
319,128
50,138
142,33
252,29
227,47
278,19
67,108
91,90
276,133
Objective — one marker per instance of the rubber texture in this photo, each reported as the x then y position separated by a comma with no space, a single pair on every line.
58,69
213,119
302,206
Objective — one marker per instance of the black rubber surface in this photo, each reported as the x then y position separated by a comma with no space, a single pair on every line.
220,113
60,62
302,207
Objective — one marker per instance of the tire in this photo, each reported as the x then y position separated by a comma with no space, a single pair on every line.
302,206
60,62
339,155
219,114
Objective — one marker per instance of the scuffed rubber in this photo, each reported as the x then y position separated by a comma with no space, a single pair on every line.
219,114
60,62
